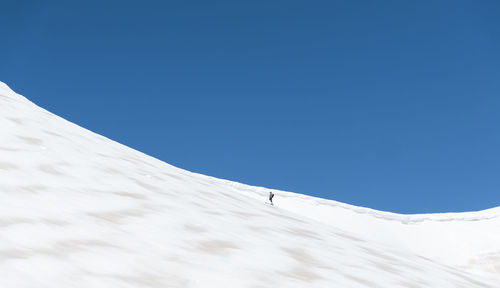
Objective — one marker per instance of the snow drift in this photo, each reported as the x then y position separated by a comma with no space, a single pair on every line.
79,210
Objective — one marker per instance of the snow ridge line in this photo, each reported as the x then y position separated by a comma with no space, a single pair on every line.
409,219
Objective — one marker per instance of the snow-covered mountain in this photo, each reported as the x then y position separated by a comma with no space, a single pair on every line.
79,210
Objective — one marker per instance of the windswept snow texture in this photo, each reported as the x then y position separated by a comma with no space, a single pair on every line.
79,210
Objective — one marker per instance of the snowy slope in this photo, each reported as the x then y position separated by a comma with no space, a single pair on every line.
79,210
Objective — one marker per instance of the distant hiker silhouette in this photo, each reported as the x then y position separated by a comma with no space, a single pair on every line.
271,195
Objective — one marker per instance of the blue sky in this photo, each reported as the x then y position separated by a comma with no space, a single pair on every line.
391,105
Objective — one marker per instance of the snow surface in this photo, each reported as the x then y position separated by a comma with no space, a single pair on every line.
80,210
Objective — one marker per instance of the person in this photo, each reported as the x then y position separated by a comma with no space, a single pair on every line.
271,195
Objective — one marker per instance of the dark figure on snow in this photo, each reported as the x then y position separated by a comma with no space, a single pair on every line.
271,195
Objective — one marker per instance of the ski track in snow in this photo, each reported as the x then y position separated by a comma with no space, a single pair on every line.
80,210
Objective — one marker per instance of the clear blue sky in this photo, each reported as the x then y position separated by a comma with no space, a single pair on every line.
392,105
